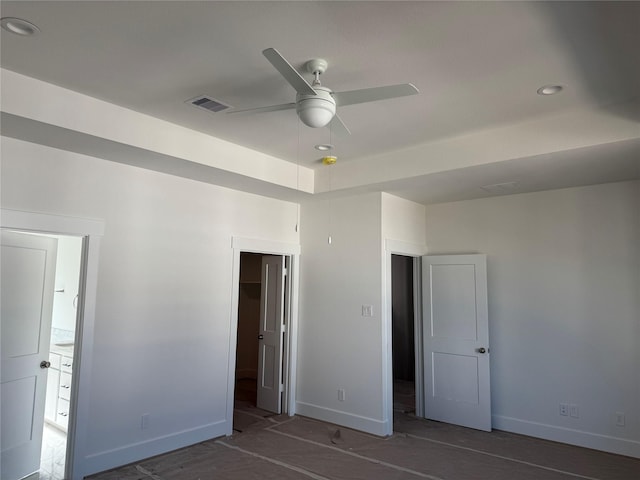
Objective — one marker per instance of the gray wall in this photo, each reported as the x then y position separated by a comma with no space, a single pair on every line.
163,307
564,307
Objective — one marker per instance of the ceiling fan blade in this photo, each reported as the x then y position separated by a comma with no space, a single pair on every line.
289,73
270,108
374,94
338,127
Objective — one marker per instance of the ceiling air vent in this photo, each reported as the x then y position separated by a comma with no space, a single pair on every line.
501,188
208,103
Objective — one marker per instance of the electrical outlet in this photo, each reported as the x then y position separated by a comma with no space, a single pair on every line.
574,410
144,422
367,310
620,419
564,409
341,394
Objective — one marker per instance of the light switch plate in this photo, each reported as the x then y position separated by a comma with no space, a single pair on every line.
574,411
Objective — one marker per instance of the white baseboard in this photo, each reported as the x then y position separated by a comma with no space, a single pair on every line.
364,424
621,446
101,461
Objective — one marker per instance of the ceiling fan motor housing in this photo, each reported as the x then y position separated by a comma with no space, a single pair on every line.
316,110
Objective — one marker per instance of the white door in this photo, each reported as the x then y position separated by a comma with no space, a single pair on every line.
28,264
456,340
270,334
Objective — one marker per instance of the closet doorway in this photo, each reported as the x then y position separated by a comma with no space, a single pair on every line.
403,320
262,347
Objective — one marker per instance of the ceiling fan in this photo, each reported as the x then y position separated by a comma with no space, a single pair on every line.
315,104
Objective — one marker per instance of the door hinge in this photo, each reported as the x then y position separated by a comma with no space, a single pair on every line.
282,388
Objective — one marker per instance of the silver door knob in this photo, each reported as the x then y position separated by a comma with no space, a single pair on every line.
45,364
481,350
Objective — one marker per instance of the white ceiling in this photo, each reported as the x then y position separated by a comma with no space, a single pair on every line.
477,65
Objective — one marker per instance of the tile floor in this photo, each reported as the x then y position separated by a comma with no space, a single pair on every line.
54,447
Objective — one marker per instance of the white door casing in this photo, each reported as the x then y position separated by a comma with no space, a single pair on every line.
416,251
28,264
292,252
456,340
77,464
270,334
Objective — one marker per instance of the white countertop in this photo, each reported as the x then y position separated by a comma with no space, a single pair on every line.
65,349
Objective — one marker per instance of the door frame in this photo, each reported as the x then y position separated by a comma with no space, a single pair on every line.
91,232
416,251
290,352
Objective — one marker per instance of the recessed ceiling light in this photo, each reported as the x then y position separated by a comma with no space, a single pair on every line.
19,26
550,89
324,147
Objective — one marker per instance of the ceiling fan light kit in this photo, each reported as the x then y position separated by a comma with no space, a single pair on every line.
316,111
316,105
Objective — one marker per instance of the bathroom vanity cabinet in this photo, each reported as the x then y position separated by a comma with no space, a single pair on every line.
59,386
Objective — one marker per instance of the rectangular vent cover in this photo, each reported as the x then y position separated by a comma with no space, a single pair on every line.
208,103
501,188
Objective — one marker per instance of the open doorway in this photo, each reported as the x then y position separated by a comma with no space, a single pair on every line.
246,390
61,353
40,296
403,334
91,232
262,345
